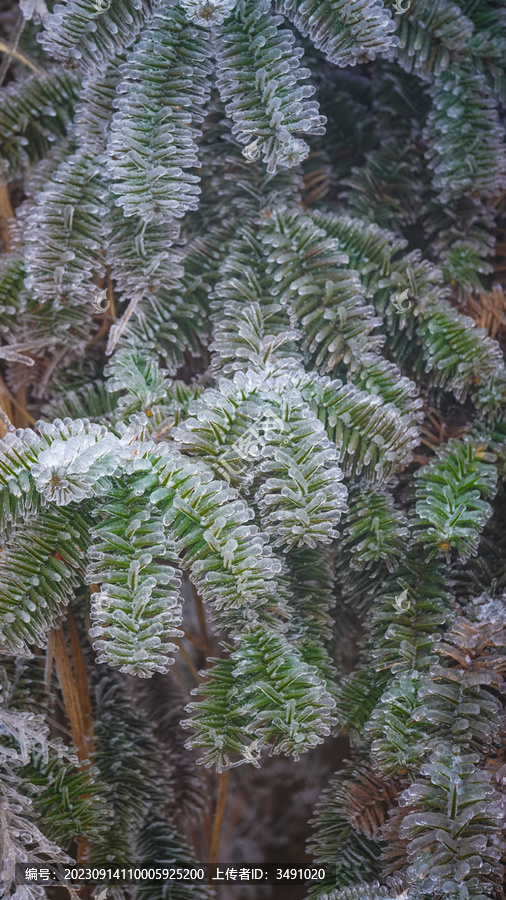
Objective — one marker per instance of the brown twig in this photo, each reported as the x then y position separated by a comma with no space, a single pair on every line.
81,681
24,417
218,817
186,684
199,606
70,694
187,660
193,640
49,662
6,213
12,51
4,392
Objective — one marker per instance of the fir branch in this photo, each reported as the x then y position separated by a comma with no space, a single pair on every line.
346,34
130,765
34,113
477,164
290,711
138,607
371,437
325,300
311,578
153,137
63,233
346,851
82,34
12,301
159,844
375,530
258,70
368,892
43,555
449,505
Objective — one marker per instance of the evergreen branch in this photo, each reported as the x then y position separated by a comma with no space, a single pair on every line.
91,401
68,802
258,71
12,301
94,111
34,112
474,358
65,462
138,607
357,697
44,555
82,34
165,84
301,502
206,13
450,509
63,233
311,580
376,375
246,188
77,459
130,766
346,33
371,437
142,259
153,403
347,852
325,300
469,358
478,165
446,22
432,37
23,742
159,844
22,841
405,624
162,702
228,559
367,892
290,711
454,831
375,530
250,329
168,322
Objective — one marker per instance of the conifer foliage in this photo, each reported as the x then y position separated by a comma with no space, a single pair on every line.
239,241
